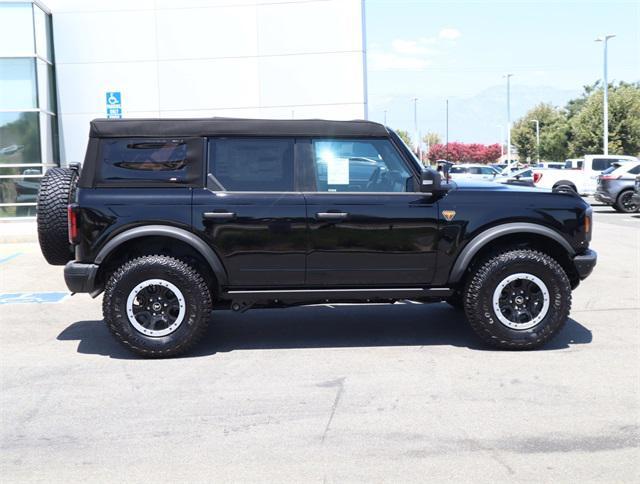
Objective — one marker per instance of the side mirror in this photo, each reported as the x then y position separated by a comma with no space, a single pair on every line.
430,181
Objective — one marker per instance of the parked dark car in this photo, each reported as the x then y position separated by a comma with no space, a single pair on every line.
174,218
616,187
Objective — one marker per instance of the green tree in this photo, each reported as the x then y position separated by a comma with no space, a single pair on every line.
431,139
404,136
554,130
624,122
574,106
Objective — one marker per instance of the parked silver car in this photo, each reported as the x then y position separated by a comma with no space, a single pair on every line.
636,192
616,186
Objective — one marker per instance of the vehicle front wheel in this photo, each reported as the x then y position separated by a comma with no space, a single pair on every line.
157,306
518,300
625,203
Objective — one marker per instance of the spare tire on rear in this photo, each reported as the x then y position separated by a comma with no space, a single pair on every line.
56,192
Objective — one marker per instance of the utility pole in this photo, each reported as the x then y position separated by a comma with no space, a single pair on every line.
447,133
537,138
605,101
501,138
509,76
415,124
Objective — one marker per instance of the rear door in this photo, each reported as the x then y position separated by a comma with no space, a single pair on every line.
250,212
367,225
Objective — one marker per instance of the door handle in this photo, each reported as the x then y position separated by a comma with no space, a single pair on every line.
218,215
331,215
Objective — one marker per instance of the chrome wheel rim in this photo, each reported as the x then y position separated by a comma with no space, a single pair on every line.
521,301
156,307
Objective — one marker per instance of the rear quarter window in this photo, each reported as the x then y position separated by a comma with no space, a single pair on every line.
635,170
150,162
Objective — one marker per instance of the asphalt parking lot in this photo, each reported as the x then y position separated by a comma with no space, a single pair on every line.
327,393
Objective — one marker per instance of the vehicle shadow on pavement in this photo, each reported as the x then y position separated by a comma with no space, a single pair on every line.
324,326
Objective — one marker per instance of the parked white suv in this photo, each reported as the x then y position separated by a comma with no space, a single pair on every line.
473,172
583,180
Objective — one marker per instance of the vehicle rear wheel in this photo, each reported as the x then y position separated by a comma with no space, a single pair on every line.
518,299
57,190
157,306
565,188
625,203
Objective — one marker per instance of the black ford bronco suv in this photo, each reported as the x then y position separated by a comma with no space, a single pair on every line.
173,218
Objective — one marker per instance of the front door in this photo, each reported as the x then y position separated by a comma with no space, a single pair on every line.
250,214
367,227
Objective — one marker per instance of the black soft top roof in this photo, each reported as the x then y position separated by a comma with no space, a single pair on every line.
161,128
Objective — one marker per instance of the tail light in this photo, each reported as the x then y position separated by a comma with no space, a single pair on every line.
537,177
587,225
610,177
72,223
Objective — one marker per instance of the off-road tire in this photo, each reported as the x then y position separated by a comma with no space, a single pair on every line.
481,285
192,285
57,190
619,205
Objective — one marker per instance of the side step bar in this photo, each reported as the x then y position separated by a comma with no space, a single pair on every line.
256,296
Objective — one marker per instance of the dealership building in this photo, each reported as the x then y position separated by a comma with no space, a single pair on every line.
66,62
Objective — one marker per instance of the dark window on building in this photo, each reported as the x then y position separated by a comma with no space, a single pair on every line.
149,161
252,164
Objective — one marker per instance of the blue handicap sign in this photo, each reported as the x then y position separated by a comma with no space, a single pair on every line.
114,98
114,104
32,297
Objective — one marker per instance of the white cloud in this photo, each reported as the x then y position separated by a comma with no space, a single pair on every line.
382,61
449,34
413,47
402,46
411,54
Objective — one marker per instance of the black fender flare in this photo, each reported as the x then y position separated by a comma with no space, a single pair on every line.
482,239
167,231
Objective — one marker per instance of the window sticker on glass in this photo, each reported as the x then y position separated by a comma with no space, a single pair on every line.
337,171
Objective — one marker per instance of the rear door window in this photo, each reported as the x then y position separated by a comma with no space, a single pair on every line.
600,164
252,164
143,162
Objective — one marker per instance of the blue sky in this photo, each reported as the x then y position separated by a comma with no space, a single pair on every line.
434,50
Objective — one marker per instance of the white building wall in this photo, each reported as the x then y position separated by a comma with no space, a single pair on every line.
199,58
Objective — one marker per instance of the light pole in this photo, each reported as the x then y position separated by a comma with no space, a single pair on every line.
501,138
509,76
605,102
537,138
385,117
447,134
415,124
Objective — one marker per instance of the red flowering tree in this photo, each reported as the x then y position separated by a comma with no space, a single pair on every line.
465,152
